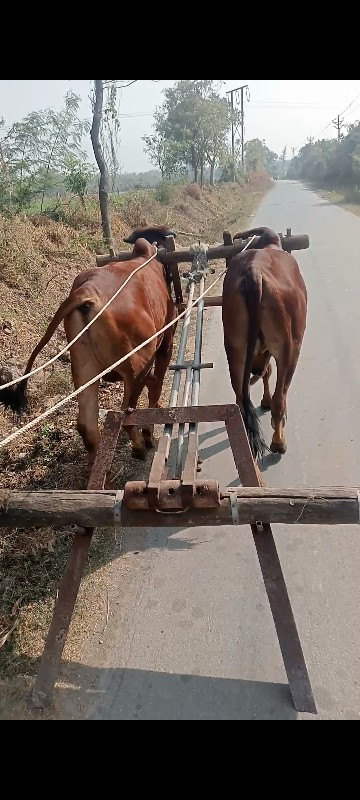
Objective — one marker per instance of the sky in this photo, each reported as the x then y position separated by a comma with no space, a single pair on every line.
284,113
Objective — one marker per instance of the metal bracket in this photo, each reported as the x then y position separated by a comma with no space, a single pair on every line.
234,506
117,507
191,365
259,527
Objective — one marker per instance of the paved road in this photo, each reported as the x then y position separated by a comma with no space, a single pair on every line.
193,637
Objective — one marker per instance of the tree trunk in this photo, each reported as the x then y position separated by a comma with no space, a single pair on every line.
194,163
100,160
202,173
212,170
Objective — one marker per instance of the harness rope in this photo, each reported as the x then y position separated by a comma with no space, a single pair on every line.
65,349
114,366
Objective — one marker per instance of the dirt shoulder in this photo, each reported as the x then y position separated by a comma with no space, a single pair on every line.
39,258
339,198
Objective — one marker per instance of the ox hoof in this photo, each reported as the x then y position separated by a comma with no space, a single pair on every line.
140,455
266,404
278,448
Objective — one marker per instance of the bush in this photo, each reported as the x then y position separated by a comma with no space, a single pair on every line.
164,192
227,172
353,195
193,190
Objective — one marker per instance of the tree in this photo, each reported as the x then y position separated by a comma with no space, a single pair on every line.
258,156
34,152
98,106
167,154
356,163
78,176
190,127
329,161
105,90
217,122
272,160
110,132
230,167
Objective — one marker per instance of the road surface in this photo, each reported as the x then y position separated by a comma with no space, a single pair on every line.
192,635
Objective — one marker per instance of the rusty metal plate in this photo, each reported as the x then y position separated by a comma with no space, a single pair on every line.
175,416
205,494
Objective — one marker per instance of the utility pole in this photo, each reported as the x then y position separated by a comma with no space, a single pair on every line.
232,94
338,124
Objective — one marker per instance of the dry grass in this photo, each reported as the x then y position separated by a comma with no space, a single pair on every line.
39,259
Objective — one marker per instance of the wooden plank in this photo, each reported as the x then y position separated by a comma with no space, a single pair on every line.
339,506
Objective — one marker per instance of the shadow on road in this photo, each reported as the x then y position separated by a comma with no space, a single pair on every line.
131,694
212,432
219,447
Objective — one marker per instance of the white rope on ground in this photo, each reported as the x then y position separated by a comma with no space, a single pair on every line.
81,389
70,344
97,378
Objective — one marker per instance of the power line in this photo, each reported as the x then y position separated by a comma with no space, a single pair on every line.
350,104
337,122
139,114
312,106
353,110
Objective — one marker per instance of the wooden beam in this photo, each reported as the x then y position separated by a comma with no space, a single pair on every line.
298,242
88,509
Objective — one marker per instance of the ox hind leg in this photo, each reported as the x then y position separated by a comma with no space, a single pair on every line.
155,382
286,366
88,416
236,357
132,392
133,388
262,369
88,405
84,367
266,400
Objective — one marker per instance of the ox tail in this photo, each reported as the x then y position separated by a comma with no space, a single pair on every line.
252,293
15,397
267,237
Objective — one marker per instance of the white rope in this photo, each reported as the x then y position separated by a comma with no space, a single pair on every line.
114,366
65,349
81,389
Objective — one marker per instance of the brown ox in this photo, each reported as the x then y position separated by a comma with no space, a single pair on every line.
141,309
264,315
